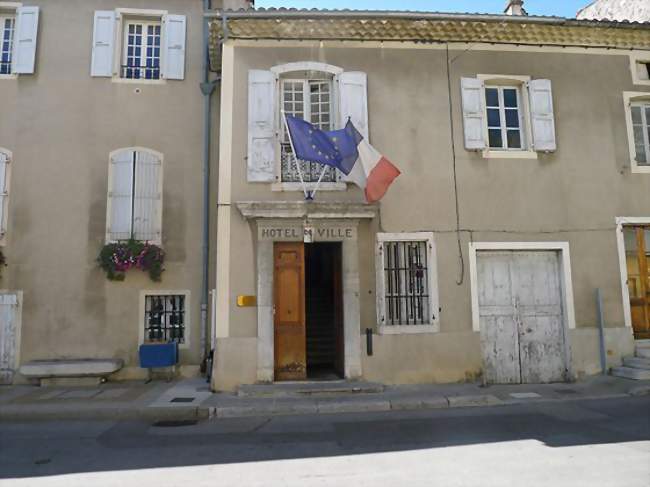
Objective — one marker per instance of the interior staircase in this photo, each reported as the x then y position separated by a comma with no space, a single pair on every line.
637,367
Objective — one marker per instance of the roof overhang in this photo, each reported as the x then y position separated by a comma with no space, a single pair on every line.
422,27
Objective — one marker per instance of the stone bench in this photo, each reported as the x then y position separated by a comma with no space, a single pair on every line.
70,372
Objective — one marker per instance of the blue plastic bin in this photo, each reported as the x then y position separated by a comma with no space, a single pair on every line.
153,355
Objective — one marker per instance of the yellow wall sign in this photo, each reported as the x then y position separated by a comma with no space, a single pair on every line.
246,300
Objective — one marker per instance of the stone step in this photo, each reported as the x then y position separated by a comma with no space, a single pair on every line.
307,388
642,343
631,373
637,362
642,352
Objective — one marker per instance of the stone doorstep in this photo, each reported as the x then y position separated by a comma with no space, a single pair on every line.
642,343
631,373
637,363
642,352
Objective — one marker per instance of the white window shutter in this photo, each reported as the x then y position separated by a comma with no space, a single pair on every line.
120,197
174,47
8,337
147,206
3,191
473,113
103,43
353,100
25,37
261,126
542,119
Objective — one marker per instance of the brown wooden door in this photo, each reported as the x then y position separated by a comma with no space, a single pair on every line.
289,311
639,283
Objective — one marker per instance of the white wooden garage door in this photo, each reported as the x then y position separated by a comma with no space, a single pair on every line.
521,316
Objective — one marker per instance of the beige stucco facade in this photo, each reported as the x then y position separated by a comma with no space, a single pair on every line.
60,125
571,196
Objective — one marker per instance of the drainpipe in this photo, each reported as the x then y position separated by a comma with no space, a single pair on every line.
207,88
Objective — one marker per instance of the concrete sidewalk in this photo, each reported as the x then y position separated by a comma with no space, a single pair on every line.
192,399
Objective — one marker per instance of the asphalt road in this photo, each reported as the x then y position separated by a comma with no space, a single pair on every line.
573,443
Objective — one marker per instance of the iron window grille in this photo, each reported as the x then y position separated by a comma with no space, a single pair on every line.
164,318
406,285
141,51
311,100
7,27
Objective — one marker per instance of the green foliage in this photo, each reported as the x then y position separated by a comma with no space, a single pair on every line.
117,258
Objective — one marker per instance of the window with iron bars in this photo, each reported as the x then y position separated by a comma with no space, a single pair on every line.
407,283
406,288
7,27
311,100
164,318
141,57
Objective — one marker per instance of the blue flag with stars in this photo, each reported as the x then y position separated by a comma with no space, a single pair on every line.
313,144
346,141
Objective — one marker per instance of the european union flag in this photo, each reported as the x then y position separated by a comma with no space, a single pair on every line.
346,141
312,144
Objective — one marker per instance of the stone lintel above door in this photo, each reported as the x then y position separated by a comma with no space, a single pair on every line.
306,210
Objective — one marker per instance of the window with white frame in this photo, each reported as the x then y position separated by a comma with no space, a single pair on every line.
141,50
7,23
5,157
134,209
640,65
310,98
508,116
141,45
504,118
165,318
407,288
322,94
18,36
640,113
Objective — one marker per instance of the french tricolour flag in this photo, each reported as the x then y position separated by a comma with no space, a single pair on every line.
348,151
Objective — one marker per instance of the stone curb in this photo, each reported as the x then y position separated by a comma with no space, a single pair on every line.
354,406
147,413
278,408
639,391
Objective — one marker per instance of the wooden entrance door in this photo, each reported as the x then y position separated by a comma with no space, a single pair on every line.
637,249
521,317
289,311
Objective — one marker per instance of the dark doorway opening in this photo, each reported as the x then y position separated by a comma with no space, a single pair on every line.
324,310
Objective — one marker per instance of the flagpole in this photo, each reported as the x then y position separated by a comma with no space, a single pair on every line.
295,159
313,192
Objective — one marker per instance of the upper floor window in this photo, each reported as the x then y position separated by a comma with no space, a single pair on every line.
641,128
18,33
504,118
322,94
141,56
311,99
508,116
143,45
134,209
640,66
637,115
7,38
